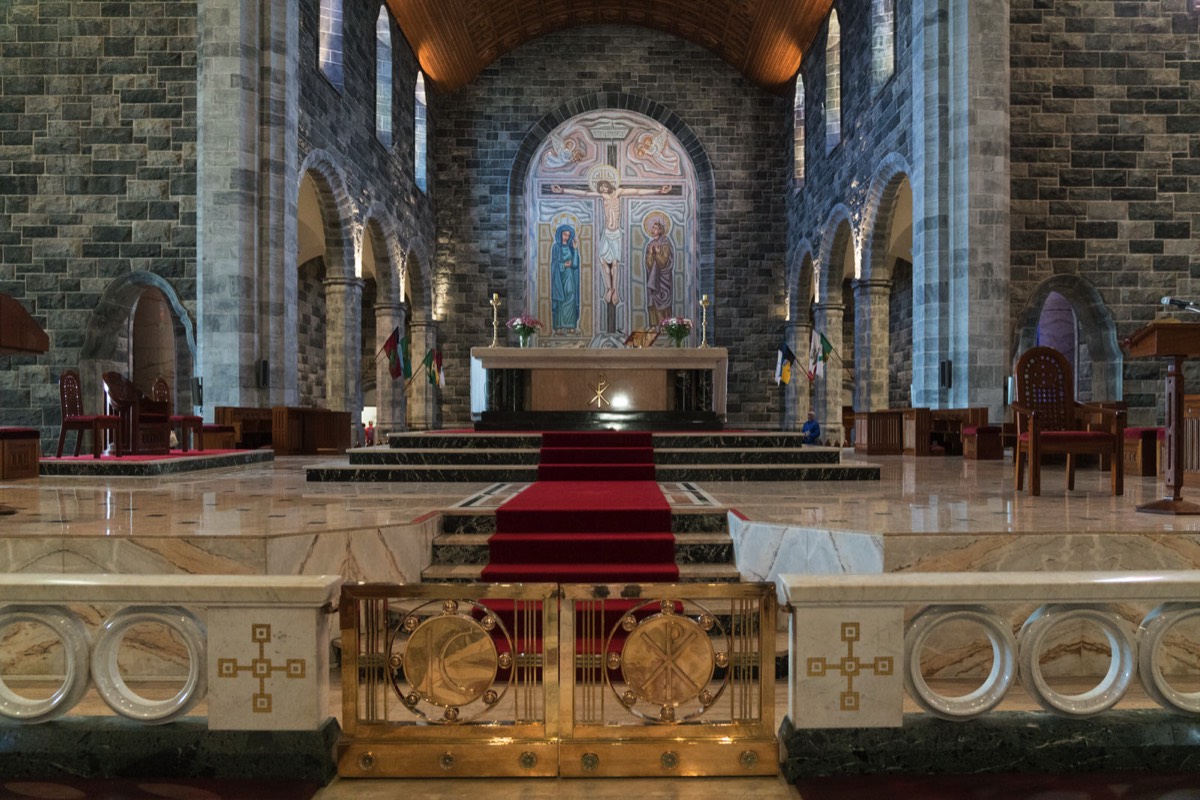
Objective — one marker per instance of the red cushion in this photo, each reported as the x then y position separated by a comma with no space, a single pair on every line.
972,430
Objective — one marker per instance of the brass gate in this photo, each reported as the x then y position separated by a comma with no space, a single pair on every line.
473,680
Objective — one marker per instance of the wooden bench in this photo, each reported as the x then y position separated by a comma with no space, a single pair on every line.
20,451
982,442
1143,451
251,426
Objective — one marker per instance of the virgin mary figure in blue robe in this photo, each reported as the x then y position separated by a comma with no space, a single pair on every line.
564,280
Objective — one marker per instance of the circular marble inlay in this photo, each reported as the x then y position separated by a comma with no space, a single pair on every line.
1152,634
106,672
1032,640
71,631
998,681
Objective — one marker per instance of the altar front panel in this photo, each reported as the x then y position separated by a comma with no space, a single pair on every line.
600,390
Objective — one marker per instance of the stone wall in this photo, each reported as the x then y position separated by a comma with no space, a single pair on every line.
742,129
1106,159
310,334
97,173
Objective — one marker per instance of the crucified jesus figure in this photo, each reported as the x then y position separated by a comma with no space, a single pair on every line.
610,242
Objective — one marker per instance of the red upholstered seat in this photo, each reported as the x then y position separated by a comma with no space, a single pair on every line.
70,399
191,427
1049,420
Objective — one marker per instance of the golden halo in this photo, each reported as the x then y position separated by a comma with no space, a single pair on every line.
603,172
656,216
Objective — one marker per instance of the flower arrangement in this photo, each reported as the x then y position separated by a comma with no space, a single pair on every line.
525,326
678,328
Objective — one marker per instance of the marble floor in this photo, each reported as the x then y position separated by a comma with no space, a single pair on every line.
931,496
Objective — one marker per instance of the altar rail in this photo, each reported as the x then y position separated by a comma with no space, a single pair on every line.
545,679
256,646
852,656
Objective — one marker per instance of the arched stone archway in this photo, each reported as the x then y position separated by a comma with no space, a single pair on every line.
107,345
1096,328
836,265
382,313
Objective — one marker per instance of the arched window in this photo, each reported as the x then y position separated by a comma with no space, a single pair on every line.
798,132
883,41
833,83
329,42
421,135
383,77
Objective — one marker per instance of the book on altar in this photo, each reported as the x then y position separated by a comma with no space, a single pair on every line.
642,338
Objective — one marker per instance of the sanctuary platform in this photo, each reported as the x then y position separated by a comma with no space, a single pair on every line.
467,456
149,466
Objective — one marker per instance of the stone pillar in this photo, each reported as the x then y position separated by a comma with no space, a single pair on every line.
389,394
246,193
873,343
961,192
343,343
798,397
422,396
828,396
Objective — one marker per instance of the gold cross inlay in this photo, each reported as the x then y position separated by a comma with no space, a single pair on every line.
600,388
850,666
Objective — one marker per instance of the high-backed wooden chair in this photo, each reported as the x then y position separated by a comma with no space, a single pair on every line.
191,427
1049,420
70,398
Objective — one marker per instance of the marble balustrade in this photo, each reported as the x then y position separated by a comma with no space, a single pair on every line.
256,646
857,642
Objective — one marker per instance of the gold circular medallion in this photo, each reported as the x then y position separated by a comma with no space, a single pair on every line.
450,660
667,660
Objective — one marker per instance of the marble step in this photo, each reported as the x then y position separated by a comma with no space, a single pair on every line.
442,456
663,456
671,456
688,573
683,521
690,548
533,441
433,473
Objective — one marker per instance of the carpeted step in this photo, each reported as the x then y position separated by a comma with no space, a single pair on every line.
585,506
582,548
596,472
581,573
597,439
597,455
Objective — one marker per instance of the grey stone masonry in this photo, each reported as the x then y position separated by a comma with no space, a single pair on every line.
1106,160
97,174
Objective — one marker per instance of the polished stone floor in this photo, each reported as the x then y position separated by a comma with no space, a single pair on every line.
915,496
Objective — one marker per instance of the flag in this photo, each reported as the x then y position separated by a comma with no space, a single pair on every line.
437,365
391,349
784,360
405,358
427,364
818,353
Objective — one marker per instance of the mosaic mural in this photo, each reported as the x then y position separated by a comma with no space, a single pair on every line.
611,205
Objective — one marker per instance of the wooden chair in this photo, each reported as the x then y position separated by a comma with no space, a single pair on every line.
70,398
1049,420
191,427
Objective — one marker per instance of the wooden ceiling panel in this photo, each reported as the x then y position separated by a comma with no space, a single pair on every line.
456,39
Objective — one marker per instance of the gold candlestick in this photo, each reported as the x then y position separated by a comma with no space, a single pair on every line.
704,304
495,319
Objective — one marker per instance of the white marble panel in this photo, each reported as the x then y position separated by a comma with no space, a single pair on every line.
268,668
763,551
846,668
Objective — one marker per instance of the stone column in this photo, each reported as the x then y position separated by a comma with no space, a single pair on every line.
871,348
828,396
422,396
246,189
389,394
798,397
343,343
961,191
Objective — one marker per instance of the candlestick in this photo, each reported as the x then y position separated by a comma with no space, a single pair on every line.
495,319
704,304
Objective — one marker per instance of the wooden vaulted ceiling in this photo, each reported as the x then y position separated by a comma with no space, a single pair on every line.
764,39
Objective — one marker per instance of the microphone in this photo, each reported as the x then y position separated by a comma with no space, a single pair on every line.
1187,305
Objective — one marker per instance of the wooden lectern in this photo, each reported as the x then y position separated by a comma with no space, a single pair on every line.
1174,341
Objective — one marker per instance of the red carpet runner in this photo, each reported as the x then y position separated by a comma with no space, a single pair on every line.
595,514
